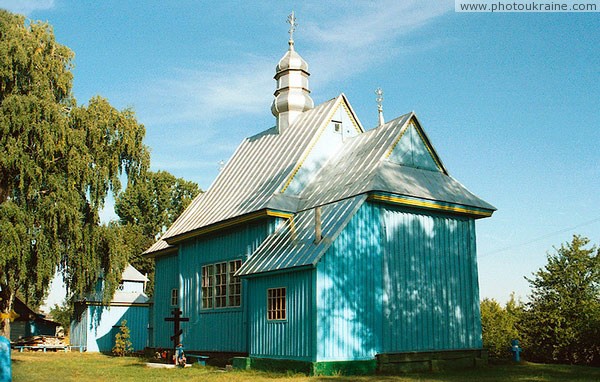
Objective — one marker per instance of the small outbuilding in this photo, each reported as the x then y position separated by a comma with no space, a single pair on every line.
96,324
29,323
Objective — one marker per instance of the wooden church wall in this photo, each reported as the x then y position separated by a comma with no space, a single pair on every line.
166,279
430,283
290,338
96,327
349,289
218,328
397,281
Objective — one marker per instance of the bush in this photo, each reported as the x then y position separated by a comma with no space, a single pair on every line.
123,344
500,326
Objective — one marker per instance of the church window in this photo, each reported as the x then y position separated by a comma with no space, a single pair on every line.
276,304
235,284
174,297
337,127
220,285
207,286
220,288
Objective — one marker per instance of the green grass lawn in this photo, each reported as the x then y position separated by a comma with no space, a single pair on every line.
59,367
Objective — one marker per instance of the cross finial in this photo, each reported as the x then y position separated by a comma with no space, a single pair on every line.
292,21
379,100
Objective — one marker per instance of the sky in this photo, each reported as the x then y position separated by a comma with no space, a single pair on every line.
510,101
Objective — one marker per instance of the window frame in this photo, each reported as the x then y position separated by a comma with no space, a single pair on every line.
221,285
277,304
174,297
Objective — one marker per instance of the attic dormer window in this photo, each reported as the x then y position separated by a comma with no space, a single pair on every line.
337,126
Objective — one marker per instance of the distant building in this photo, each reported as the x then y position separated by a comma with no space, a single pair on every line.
322,246
30,323
96,324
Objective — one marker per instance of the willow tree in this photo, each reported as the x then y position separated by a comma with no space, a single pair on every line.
58,163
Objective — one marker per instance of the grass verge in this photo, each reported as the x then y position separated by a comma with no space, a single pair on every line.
55,367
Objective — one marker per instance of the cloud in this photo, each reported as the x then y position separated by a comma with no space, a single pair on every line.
25,7
365,34
215,92
337,45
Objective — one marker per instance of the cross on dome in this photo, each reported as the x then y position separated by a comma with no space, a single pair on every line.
292,21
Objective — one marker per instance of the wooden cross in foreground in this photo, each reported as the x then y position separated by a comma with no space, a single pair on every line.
177,331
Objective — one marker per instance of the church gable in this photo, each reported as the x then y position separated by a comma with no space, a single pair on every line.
337,128
414,150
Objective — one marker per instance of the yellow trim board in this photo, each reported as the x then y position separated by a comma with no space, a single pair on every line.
426,204
412,122
402,132
230,223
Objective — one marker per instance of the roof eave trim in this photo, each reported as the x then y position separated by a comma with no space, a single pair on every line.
229,223
277,271
409,201
160,253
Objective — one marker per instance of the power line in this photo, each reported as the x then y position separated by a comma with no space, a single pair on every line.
541,237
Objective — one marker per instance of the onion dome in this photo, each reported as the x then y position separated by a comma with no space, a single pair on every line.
292,96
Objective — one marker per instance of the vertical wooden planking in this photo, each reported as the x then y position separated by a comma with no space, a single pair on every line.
218,329
349,291
290,338
165,279
432,293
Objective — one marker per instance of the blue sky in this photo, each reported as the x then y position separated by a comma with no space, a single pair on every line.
510,100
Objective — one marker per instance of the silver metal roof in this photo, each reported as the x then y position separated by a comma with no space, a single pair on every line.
255,176
158,246
293,244
255,173
362,166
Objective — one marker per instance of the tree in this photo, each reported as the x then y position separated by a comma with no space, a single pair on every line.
58,162
147,208
62,314
562,319
123,344
500,326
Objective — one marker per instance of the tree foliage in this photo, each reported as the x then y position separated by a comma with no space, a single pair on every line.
500,326
62,314
562,319
58,162
147,208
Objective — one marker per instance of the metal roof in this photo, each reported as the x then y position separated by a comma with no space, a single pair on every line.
293,245
255,173
361,166
132,274
254,177
159,245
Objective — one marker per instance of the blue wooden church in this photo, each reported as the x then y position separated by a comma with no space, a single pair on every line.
322,246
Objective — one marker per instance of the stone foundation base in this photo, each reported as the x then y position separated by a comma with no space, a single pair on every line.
394,363
390,363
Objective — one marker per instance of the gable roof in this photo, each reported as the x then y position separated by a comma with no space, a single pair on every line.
132,274
293,244
255,173
254,182
362,166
